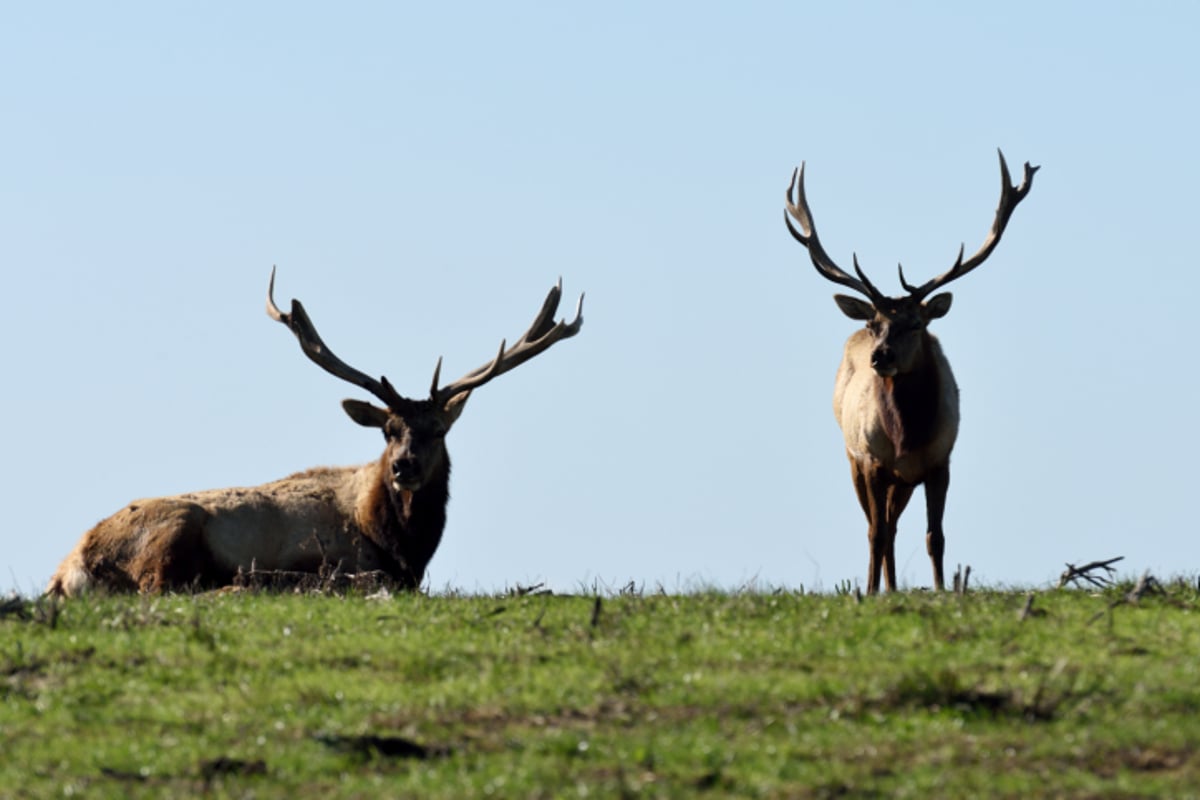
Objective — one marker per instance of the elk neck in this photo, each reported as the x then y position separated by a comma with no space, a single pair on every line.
908,403
407,525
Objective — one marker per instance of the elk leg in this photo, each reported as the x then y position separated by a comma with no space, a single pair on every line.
877,489
858,472
897,499
937,483
170,552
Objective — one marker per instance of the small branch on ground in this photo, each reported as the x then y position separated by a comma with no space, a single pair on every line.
535,589
14,605
1074,574
327,581
1147,584
46,611
961,579
1028,611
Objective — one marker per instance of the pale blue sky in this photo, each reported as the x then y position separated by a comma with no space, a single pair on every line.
422,173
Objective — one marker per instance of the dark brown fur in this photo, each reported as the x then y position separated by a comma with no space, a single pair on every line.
908,404
151,547
407,526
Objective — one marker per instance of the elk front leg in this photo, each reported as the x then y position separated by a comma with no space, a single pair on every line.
897,499
859,472
876,488
937,483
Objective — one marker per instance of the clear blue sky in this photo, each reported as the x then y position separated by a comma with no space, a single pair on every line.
422,173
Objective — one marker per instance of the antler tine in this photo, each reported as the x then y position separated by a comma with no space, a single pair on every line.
318,352
1010,197
871,291
542,334
798,209
437,374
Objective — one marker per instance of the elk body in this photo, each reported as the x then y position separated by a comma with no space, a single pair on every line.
895,398
387,515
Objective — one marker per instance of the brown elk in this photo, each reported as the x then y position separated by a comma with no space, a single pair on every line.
895,398
387,515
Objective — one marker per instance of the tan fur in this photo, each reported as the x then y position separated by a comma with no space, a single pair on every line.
858,414
296,523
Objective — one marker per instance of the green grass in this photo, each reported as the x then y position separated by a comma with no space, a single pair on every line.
742,694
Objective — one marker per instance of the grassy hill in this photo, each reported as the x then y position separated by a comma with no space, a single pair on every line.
726,694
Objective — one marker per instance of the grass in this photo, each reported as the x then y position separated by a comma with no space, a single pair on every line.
727,694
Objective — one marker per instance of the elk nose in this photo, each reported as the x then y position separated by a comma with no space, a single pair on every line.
881,358
404,470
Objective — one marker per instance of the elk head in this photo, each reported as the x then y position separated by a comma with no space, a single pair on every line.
897,325
415,430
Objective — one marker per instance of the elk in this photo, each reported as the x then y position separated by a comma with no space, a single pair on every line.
894,397
387,515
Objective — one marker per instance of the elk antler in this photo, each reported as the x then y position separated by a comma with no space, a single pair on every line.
798,210
1010,196
320,354
543,333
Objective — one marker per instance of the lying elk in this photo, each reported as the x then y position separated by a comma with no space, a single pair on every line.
895,398
387,515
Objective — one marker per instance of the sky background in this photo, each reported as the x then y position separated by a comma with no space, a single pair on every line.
422,173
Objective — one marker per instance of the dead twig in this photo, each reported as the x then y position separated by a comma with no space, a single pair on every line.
46,611
1074,574
1027,610
535,589
14,605
1147,584
328,581
961,579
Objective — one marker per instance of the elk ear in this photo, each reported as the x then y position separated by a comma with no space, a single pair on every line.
365,414
454,407
854,308
938,305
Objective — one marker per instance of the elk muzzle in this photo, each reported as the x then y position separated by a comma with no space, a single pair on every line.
883,361
406,474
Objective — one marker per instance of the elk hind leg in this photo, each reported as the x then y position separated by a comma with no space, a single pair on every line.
171,554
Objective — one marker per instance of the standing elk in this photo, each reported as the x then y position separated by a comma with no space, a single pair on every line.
895,398
387,515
